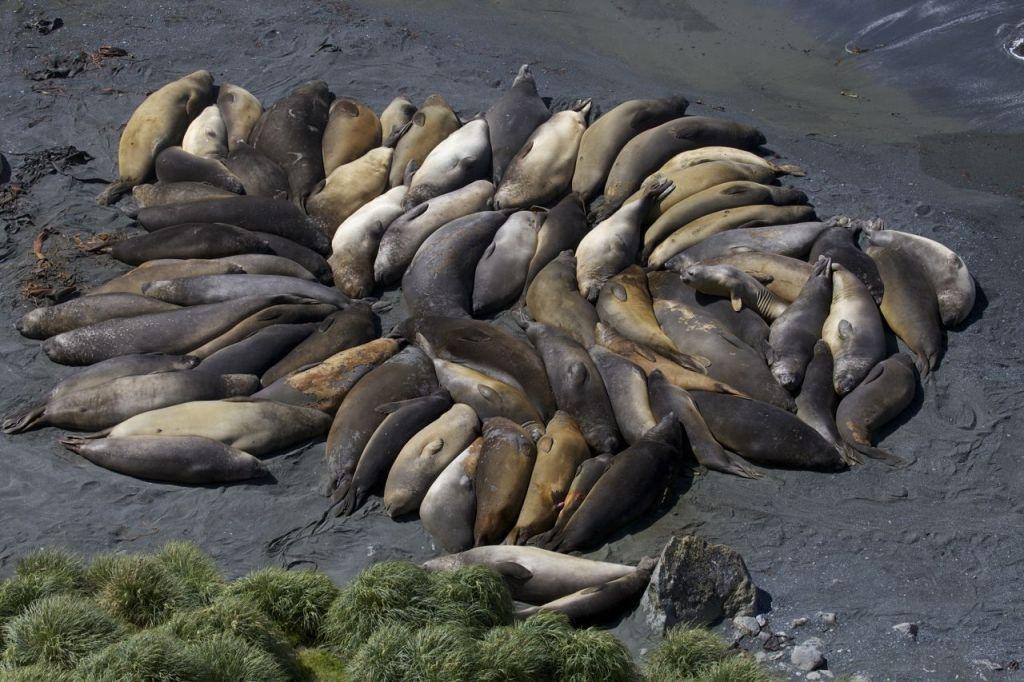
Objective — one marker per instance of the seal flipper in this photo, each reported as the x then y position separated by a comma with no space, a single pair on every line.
728,462
28,420
114,191
877,453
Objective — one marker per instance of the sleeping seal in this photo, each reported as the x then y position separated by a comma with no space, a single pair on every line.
794,333
561,230
241,110
512,119
817,400
352,130
587,475
394,118
207,134
853,330
554,299
354,245
47,321
599,601
349,187
502,478
489,397
174,164
786,240
740,288
432,123
448,510
260,176
627,388
886,391
459,159
353,326
201,289
501,272
840,244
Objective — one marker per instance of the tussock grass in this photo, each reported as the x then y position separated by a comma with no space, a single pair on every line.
684,652
227,658
474,596
736,669
36,673
322,666
55,563
60,630
296,601
525,651
139,590
595,654
445,652
194,569
148,656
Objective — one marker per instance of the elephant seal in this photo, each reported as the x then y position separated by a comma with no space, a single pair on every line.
188,460
695,157
646,152
290,133
587,475
730,360
174,164
502,478
945,270
216,288
612,245
163,193
260,176
817,400
765,434
592,603
727,195
121,366
404,420
840,244
260,264
352,130
910,306
486,348
696,179
561,229
534,575
439,279
188,240
448,510
784,276
256,353
501,272
625,304
108,404
669,399
306,257
512,119
259,427
355,243
350,187
793,334
323,386
251,213
459,159
793,240
886,391
176,331
207,134
407,375
554,300
297,311
694,232
489,397
42,323
745,325
560,451
578,387
649,361
425,456
430,125
627,389
740,288
240,110
634,483
606,137
159,122
394,118
341,330
853,330
406,234
541,171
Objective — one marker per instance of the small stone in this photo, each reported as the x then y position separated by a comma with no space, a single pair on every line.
776,641
746,625
985,663
827,618
923,210
908,630
778,656
826,674
760,656
813,675
808,656
798,622
859,677
762,619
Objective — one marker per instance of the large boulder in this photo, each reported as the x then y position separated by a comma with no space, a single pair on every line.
698,583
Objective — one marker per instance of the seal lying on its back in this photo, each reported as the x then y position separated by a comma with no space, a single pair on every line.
554,299
502,479
448,510
159,122
352,130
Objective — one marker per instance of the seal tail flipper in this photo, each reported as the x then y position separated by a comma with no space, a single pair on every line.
731,463
877,453
114,191
694,363
25,421
788,169
349,502
849,456
73,443
95,435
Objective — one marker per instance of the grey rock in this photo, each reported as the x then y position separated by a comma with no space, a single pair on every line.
747,625
761,619
808,656
859,677
698,583
813,675
827,618
798,622
908,630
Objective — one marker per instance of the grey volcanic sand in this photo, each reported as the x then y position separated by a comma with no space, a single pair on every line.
937,542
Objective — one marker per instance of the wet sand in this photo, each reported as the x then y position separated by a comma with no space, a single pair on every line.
936,542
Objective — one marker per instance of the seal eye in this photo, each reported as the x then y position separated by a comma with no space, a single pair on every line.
419,119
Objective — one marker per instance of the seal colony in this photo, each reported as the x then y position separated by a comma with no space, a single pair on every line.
661,300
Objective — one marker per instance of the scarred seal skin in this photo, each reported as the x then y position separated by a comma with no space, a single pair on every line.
587,475
554,299
240,110
174,164
840,244
593,603
339,331
886,391
448,510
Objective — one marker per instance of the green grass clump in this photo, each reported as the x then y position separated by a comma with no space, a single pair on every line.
139,589
59,630
445,652
385,655
388,592
474,596
36,673
60,565
238,616
227,658
19,592
321,665
197,572
148,656
595,655
684,653
296,601
525,651
735,669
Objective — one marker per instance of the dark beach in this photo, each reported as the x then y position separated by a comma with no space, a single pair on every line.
913,119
